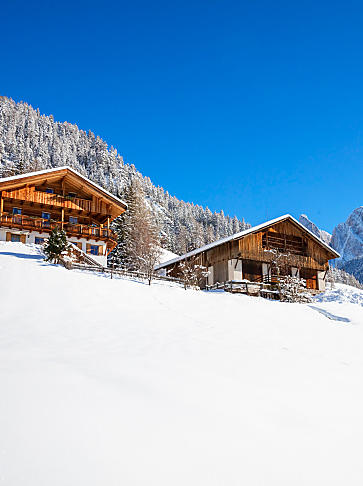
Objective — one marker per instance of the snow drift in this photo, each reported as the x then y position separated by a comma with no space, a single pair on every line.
110,382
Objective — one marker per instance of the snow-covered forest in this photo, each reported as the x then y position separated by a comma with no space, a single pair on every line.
32,141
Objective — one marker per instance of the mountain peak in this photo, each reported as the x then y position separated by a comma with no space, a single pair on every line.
323,235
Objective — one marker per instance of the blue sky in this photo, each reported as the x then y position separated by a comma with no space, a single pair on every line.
250,107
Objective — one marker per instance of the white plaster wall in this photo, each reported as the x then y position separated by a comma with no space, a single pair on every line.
210,278
101,259
34,234
295,272
234,269
2,234
15,231
30,238
321,280
266,270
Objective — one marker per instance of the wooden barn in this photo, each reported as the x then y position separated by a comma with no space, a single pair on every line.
252,254
32,204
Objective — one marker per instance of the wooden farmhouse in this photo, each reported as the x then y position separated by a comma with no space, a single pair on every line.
32,204
251,255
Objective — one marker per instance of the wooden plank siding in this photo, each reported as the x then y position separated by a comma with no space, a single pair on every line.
251,248
94,205
71,201
305,253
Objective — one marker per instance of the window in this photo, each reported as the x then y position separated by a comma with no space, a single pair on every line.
72,194
17,215
49,190
46,220
94,249
95,230
73,219
15,238
38,240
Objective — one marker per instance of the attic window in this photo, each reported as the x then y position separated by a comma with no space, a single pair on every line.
49,190
72,194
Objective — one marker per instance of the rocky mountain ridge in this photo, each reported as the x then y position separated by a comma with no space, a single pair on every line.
347,239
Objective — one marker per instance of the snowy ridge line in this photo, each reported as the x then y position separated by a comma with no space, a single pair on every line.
56,169
244,233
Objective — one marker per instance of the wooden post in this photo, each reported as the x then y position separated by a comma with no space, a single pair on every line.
108,222
62,218
1,204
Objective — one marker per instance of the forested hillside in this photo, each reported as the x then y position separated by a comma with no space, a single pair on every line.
31,141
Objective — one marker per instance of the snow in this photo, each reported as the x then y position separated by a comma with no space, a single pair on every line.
348,237
342,294
166,255
114,382
322,234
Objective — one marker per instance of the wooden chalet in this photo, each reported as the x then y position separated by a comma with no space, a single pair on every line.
250,255
32,204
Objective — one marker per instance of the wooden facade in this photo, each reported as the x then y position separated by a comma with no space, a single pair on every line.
250,255
31,205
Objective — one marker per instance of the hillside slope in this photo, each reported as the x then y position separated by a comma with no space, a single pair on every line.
30,141
173,387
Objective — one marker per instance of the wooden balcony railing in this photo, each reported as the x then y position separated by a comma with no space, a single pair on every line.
48,199
45,225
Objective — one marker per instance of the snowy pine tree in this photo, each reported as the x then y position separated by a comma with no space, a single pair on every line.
56,245
30,141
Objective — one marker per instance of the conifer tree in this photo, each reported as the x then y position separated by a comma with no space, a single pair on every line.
55,245
30,141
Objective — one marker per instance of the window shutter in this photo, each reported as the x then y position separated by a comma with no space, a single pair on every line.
8,236
79,244
100,250
23,239
88,248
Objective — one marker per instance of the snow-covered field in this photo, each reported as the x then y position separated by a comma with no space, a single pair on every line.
112,382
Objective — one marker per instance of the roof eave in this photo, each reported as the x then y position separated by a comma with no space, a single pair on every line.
247,232
65,168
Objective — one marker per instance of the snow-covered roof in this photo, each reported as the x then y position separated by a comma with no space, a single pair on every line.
56,169
246,232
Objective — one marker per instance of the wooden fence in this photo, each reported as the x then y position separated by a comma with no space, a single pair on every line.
124,273
245,287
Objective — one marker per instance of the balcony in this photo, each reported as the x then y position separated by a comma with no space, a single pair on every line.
29,223
48,199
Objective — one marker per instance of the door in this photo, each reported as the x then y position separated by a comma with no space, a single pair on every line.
266,272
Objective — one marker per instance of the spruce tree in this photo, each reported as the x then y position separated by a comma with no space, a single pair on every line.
55,245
